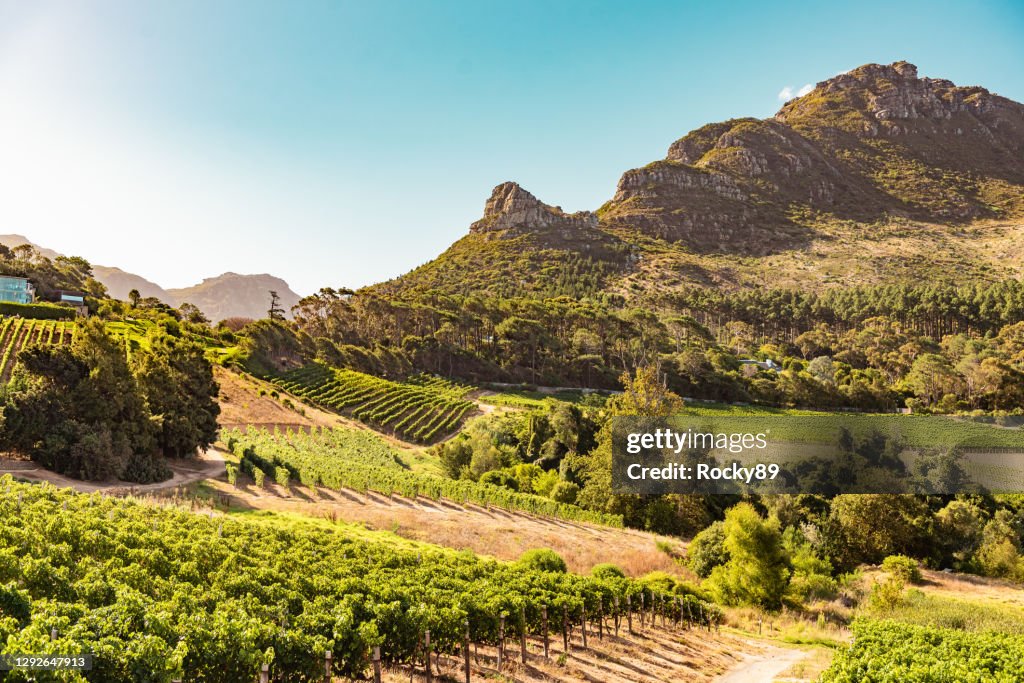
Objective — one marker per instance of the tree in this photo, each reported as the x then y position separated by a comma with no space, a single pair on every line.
177,383
868,527
757,571
707,550
932,377
275,312
79,411
192,314
134,298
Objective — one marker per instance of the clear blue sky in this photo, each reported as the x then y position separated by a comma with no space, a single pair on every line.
342,143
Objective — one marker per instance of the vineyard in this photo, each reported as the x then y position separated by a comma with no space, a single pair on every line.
421,410
16,333
890,652
339,458
161,594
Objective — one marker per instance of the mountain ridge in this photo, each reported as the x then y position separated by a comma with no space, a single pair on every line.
901,176
222,296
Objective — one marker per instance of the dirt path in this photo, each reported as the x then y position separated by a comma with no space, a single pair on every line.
209,464
764,666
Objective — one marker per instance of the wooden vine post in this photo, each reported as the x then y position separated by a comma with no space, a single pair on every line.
565,630
465,646
544,627
522,634
584,625
616,616
629,614
328,666
501,639
376,664
426,654
600,618
641,610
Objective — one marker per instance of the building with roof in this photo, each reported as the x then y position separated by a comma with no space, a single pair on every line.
16,290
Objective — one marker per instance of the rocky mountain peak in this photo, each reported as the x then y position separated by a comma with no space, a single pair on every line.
510,207
887,92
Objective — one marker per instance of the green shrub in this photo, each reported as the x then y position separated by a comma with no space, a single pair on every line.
903,567
707,550
232,471
282,476
565,492
258,476
38,311
543,559
500,478
607,570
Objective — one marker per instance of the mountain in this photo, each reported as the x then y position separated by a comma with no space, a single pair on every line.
119,283
877,175
233,295
225,296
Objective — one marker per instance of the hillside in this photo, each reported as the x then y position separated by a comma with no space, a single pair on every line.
877,175
232,294
225,296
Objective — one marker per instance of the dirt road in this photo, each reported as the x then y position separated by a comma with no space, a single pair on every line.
762,667
209,464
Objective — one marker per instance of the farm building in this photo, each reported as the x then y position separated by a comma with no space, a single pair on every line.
74,299
16,289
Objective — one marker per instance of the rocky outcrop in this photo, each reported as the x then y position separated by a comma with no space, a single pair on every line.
946,153
510,207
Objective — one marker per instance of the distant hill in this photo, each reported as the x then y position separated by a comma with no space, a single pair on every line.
225,296
119,283
875,176
234,295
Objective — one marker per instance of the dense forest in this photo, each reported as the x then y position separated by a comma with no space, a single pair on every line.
939,348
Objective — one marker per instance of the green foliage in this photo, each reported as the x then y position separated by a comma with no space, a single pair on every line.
707,550
757,571
358,460
543,560
902,567
40,311
565,492
177,384
938,611
889,652
78,410
158,593
607,570
416,412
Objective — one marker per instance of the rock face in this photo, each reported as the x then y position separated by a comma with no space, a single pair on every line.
510,207
877,159
874,142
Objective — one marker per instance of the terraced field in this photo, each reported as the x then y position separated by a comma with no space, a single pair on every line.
421,410
16,333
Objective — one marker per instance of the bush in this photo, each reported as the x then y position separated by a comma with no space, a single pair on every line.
565,492
607,570
500,478
543,559
232,471
282,476
258,476
707,550
904,568
38,311
887,594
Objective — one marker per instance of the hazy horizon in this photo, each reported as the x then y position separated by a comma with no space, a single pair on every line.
341,144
